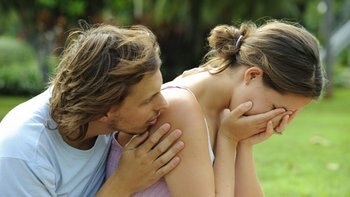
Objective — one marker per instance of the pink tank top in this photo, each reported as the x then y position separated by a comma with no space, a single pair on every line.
158,189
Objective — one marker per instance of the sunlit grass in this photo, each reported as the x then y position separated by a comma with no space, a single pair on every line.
311,158
8,102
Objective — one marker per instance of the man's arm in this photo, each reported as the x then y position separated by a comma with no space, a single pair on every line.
19,178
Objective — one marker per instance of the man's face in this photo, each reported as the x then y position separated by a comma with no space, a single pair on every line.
141,107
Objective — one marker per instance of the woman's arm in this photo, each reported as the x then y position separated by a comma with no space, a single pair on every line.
224,166
247,181
194,176
237,128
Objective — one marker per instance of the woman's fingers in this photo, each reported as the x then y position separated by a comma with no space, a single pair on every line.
265,117
242,109
280,128
269,131
259,121
262,136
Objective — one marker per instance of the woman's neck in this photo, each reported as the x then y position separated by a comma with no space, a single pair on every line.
213,91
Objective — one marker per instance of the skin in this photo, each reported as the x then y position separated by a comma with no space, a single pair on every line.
237,85
145,158
263,97
233,126
141,108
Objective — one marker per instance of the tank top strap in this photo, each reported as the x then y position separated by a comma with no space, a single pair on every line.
180,87
211,153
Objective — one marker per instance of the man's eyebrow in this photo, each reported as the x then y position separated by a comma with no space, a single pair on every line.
151,96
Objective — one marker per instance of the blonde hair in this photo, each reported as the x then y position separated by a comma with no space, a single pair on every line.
287,53
97,70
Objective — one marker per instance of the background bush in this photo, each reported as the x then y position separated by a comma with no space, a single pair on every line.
19,73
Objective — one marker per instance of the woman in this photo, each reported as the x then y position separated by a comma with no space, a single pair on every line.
274,69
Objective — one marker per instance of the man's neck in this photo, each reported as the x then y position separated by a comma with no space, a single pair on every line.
123,138
84,144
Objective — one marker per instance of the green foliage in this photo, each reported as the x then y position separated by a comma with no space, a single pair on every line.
312,16
14,51
71,8
121,12
19,73
10,26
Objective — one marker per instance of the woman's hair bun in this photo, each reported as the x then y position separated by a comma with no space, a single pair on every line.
223,41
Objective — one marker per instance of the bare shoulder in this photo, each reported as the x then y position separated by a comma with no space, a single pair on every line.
184,113
183,107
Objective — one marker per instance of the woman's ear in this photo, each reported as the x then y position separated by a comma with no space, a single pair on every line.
252,73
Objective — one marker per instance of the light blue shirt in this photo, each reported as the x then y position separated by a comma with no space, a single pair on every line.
35,161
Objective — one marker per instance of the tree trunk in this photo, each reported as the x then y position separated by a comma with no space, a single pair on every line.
329,54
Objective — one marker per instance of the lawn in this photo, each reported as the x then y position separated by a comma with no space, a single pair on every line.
311,158
8,102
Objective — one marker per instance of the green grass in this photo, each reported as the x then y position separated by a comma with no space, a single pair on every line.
311,158
8,102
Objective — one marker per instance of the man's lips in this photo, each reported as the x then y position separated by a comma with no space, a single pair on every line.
154,120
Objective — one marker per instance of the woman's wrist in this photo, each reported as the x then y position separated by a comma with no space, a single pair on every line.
222,138
243,144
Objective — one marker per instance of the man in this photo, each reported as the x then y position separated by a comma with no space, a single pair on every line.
56,143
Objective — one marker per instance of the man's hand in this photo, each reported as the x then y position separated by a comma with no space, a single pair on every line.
144,161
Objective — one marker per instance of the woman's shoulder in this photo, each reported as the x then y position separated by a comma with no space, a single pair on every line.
183,111
181,99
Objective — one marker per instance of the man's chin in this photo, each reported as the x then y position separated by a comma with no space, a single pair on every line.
133,132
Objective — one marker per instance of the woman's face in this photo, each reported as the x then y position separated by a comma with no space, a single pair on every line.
264,98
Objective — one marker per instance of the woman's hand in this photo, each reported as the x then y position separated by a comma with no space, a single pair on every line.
259,137
236,126
144,161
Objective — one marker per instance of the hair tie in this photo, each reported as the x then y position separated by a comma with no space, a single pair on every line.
239,41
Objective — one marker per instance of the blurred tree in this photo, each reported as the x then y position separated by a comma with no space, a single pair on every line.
181,26
43,22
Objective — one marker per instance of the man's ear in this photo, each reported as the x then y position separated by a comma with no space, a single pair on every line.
103,118
106,117
253,73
